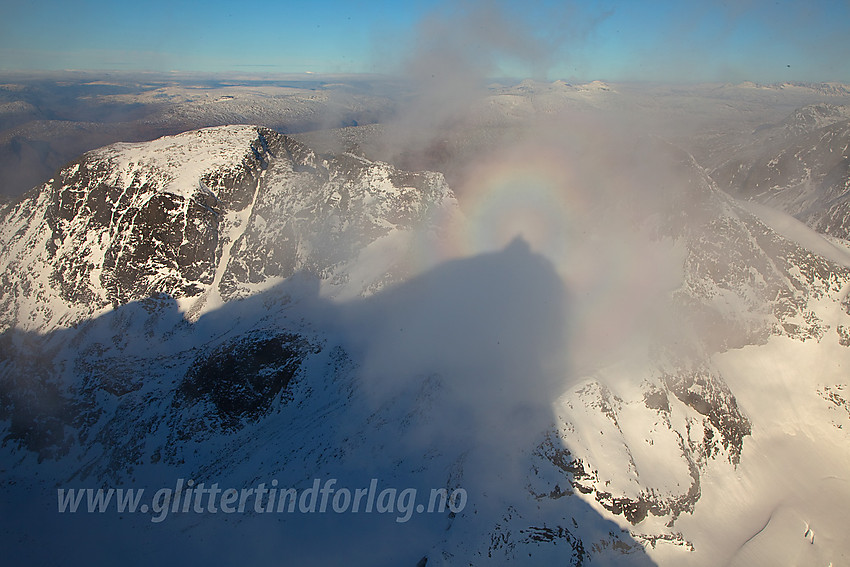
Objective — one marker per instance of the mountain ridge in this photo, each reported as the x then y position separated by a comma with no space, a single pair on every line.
310,350
225,196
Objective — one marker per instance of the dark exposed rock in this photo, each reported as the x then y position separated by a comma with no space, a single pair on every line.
708,395
243,377
232,206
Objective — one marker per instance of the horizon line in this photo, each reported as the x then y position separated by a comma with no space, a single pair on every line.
317,75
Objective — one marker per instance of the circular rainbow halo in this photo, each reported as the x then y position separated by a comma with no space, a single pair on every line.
532,198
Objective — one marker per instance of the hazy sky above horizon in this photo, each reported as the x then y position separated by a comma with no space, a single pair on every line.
759,40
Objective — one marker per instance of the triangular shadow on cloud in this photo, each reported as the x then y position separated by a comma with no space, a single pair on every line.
444,381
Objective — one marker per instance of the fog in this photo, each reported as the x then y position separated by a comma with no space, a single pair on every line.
454,55
582,187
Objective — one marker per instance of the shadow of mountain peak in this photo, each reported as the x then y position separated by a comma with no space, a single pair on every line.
443,380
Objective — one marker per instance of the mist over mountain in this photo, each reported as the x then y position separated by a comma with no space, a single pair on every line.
798,166
586,305
425,284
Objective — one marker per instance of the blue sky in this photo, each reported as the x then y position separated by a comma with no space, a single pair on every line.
760,40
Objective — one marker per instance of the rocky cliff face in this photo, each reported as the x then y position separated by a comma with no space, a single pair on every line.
206,214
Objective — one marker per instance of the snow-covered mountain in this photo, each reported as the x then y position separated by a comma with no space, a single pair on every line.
227,306
800,166
205,217
827,88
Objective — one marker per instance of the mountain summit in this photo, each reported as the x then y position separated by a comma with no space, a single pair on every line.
205,217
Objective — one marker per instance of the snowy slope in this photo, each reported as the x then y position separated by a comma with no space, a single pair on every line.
228,306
